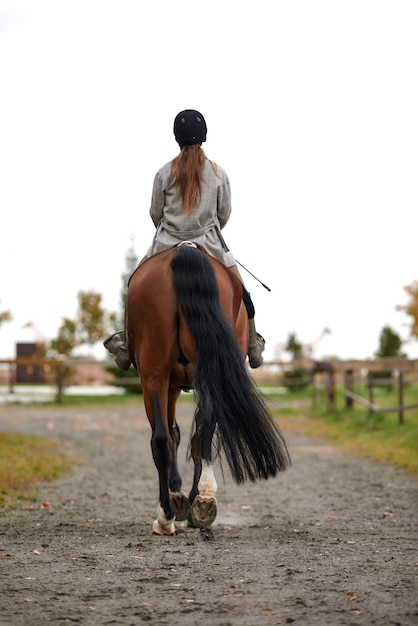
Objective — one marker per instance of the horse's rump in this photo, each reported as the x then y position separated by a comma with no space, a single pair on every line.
157,334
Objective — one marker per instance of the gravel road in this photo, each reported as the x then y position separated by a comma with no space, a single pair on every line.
332,541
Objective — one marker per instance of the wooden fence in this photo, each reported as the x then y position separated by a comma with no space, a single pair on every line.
368,403
323,376
54,372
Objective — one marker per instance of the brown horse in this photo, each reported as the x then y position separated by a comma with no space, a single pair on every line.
187,328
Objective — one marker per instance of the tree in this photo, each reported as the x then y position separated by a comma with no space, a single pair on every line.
296,377
390,343
294,347
390,346
93,321
91,325
412,307
5,316
65,342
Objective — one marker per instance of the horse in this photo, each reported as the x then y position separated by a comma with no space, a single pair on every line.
187,329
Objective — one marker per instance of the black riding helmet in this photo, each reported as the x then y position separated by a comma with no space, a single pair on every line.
190,128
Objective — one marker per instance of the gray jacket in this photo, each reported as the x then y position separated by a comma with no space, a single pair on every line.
203,224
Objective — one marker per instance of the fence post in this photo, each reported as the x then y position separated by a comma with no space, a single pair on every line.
349,384
371,390
12,377
400,397
314,393
331,389
59,379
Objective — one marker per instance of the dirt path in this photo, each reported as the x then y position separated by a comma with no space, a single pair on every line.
333,541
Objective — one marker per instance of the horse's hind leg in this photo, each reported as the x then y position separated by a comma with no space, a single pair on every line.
202,495
178,499
162,453
204,507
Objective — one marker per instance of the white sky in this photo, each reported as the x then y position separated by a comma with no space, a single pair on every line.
311,108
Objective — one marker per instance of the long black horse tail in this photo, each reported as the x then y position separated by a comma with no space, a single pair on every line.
230,415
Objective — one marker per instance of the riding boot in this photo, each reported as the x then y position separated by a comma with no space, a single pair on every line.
116,346
255,347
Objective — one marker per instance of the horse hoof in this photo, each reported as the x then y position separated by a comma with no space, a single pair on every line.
180,505
203,512
158,529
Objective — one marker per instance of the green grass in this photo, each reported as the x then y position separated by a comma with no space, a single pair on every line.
375,435
25,461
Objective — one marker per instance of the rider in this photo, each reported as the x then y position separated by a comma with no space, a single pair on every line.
191,200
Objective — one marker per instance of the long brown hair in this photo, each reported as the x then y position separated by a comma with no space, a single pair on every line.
187,170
